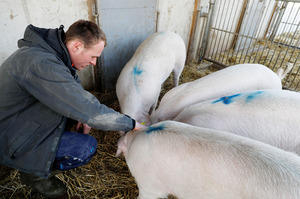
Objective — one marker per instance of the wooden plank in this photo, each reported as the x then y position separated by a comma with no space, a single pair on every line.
193,26
239,23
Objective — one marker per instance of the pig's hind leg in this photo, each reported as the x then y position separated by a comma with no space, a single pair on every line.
177,72
151,193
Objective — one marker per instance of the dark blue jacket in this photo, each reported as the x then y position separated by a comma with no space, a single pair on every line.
39,89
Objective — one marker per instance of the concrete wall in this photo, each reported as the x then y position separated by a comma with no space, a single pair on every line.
176,15
15,15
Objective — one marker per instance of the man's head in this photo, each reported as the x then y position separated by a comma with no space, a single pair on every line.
85,42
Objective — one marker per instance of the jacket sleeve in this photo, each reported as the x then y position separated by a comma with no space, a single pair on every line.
50,81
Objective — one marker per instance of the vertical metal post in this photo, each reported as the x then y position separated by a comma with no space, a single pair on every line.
96,81
207,29
278,20
157,16
95,13
241,19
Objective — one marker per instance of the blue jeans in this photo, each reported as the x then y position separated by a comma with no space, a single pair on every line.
74,150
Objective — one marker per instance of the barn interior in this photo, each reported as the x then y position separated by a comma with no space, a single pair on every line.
220,33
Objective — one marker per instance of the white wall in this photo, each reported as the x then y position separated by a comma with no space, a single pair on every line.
176,15
15,15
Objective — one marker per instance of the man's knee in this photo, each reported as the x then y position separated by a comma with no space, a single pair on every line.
75,150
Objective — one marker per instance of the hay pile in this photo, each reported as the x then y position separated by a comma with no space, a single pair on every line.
105,176
291,38
273,54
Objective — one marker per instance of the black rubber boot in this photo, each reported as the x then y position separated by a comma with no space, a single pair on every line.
50,188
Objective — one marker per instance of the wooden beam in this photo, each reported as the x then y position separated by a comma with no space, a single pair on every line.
193,26
274,10
90,10
237,30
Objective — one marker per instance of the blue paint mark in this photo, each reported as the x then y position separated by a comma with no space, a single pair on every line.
92,150
155,128
226,99
61,166
136,72
253,95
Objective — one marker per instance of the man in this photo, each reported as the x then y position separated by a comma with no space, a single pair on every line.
39,91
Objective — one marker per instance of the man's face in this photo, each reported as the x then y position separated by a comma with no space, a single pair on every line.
82,57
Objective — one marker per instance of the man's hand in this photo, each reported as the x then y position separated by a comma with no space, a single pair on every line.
138,126
86,128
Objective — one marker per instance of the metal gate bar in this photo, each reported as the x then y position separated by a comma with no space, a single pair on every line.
256,31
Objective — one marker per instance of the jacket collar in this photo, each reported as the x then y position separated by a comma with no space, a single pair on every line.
50,39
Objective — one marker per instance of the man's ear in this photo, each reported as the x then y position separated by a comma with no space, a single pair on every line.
77,47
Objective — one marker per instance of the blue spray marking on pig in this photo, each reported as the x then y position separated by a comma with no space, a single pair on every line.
155,128
136,72
226,99
253,95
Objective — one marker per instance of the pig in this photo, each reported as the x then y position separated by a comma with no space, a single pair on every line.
231,80
193,162
270,116
139,84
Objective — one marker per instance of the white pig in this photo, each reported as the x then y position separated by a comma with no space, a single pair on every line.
198,163
139,84
270,116
234,79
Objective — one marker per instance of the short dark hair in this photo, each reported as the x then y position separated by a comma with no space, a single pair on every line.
88,32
